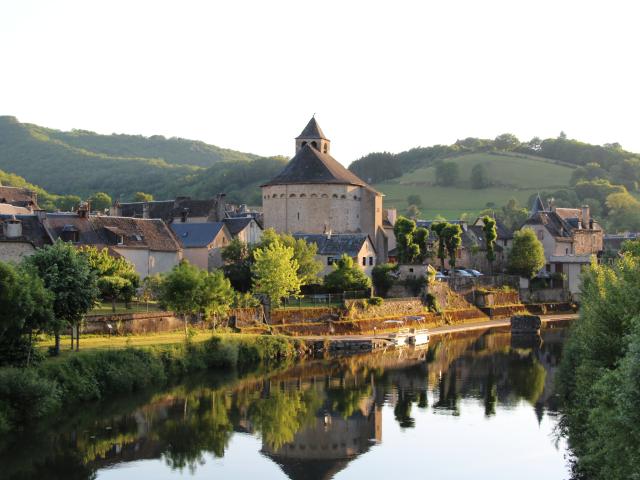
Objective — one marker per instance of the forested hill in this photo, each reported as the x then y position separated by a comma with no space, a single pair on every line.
82,163
607,161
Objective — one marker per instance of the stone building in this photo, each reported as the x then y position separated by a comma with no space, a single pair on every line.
20,236
571,239
315,194
203,242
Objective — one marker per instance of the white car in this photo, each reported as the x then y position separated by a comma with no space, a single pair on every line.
462,273
473,272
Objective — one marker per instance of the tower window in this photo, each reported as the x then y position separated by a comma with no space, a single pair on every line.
314,144
302,195
324,195
293,195
343,196
325,149
303,144
282,195
275,195
298,215
335,195
314,195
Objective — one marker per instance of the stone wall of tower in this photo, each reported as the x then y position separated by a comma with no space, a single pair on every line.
313,208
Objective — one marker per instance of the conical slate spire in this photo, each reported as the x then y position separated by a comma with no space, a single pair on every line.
538,205
312,130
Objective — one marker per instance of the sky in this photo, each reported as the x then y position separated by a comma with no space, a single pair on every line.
379,76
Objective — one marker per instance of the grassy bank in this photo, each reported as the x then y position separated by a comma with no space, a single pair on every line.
27,395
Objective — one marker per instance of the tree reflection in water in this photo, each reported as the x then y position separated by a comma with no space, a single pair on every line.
313,418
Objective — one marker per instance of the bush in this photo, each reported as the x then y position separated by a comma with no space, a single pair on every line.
432,303
375,301
383,277
25,396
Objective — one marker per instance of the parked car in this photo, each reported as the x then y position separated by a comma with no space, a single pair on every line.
462,273
473,272
441,277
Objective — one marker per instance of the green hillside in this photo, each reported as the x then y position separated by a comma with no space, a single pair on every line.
512,175
82,163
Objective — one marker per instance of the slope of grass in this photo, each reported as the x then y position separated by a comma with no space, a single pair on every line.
513,176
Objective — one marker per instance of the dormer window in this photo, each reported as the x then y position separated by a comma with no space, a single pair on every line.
120,239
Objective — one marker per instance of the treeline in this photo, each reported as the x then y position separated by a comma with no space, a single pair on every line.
599,375
82,163
607,161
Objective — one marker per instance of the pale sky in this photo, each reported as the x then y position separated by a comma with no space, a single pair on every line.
390,75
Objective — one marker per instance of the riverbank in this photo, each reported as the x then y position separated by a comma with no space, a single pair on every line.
29,394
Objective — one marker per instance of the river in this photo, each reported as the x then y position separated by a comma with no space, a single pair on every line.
474,405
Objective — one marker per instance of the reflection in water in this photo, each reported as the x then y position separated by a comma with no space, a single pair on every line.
312,420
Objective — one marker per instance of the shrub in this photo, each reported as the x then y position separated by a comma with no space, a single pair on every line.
383,277
25,396
375,301
432,303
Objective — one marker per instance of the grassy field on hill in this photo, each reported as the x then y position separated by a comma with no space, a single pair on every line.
514,176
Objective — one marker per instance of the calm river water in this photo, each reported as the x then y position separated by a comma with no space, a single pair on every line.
474,405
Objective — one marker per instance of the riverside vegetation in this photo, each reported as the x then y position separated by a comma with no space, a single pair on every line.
30,394
599,378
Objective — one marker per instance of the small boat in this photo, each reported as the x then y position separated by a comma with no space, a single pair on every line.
418,336
401,337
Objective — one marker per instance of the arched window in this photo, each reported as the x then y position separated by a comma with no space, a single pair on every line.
343,196
302,195
282,195
275,195
335,195
355,197
292,195
314,144
314,195
324,195
303,144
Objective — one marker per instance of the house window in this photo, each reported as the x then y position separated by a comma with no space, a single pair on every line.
298,215
120,239
566,251
540,235
364,261
411,270
331,260
370,260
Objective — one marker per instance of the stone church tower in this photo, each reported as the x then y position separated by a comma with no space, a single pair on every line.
315,193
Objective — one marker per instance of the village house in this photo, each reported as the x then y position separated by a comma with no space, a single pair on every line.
182,209
315,194
245,229
202,243
147,243
19,197
571,239
332,246
20,235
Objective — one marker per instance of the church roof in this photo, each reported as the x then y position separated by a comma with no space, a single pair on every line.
538,206
312,130
312,166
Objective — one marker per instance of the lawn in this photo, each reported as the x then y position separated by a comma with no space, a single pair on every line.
103,342
515,176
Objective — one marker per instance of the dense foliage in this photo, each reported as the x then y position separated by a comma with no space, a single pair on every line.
346,276
526,257
274,272
383,277
599,376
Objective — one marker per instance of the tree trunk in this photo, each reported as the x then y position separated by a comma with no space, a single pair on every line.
72,337
56,350
78,339
30,348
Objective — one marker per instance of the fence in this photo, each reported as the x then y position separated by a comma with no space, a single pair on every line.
324,299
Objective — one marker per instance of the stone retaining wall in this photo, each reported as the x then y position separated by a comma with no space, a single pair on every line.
399,307
301,315
126,323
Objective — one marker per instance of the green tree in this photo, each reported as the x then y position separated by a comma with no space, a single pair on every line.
216,295
67,203
490,236
453,241
238,259
414,199
513,215
624,211
421,239
275,272
526,257
413,212
439,229
404,229
631,247
447,173
142,197
100,201
506,142
346,276
111,287
26,309
303,253
383,277
479,177
67,274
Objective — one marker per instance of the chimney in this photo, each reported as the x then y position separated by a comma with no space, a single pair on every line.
83,210
552,204
586,217
145,210
12,228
